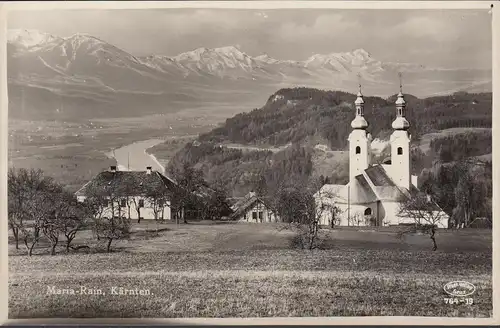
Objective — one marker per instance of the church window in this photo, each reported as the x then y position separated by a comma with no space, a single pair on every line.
368,211
358,150
400,151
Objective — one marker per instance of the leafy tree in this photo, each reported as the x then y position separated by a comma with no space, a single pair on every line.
470,195
190,191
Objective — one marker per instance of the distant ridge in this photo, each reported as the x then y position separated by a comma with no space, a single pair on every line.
84,67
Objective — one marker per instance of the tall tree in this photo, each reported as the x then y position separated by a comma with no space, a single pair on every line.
189,191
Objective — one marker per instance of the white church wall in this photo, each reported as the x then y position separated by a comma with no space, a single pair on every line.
390,211
414,180
439,218
392,217
353,215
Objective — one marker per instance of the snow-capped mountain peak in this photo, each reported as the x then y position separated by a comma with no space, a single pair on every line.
207,53
361,54
266,59
29,38
79,39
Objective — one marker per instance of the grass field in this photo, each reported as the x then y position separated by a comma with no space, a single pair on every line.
245,270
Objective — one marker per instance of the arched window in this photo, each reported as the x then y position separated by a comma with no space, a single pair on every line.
400,151
368,211
358,150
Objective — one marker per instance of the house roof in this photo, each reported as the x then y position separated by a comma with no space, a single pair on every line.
128,183
245,203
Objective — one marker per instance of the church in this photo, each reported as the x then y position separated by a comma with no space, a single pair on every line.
373,195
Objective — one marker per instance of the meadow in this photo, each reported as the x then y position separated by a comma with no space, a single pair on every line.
209,269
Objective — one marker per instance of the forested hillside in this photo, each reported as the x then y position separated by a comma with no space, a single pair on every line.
293,115
306,117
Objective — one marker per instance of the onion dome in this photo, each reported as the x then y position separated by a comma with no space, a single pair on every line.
359,121
400,123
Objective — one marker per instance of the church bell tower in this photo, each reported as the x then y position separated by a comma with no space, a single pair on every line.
359,140
400,144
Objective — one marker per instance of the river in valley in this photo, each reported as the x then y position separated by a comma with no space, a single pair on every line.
133,157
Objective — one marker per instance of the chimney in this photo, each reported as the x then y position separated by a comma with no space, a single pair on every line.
148,169
112,168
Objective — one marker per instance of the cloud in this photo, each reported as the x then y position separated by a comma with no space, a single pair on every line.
323,26
436,28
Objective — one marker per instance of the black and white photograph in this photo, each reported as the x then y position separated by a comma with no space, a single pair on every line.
263,159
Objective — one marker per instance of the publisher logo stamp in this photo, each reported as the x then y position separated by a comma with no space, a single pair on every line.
459,292
459,288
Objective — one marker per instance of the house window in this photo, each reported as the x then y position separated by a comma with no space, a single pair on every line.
161,203
141,202
358,150
261,216
123,203
254,216
400,151
106,203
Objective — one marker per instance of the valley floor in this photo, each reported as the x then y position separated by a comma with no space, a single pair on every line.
248,270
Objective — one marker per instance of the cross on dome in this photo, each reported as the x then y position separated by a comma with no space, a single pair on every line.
359,121
400,123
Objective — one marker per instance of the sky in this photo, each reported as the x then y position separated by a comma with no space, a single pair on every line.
434,37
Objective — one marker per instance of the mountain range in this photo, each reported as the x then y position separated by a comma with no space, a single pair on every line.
84,76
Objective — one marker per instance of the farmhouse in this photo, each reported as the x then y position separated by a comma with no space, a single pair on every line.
374,193
252,208
132,194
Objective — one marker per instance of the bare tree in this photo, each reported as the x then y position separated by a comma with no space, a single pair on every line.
31,200
424,213
112,228
16,202
302,207
335,213
138,205
73,217
104,202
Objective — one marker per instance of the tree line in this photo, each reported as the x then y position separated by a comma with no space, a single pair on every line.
41,209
